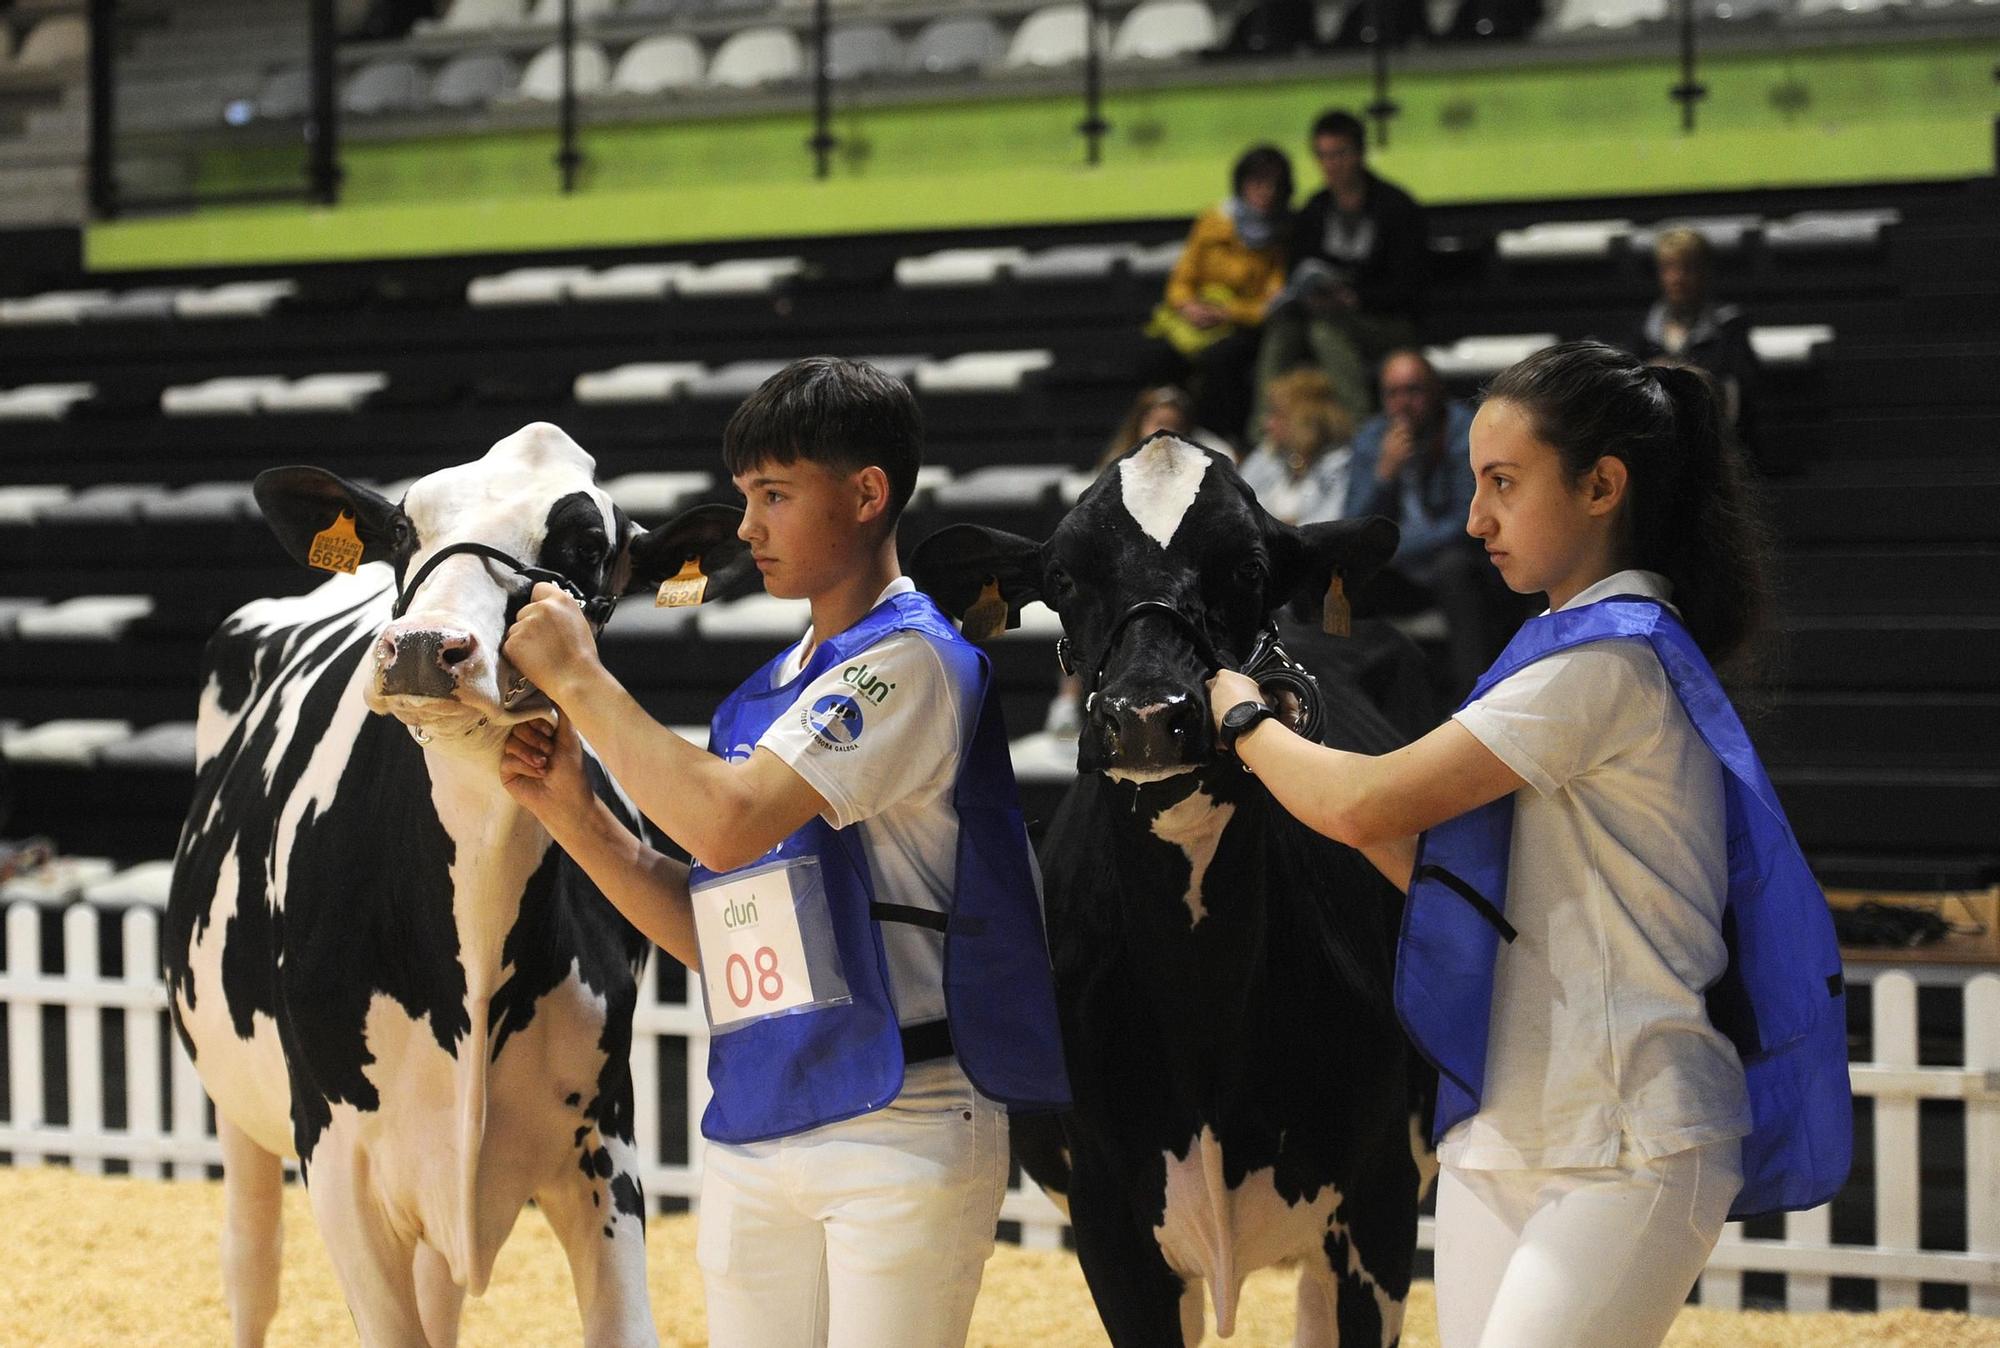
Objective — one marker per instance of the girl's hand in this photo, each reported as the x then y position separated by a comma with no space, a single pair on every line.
1227,689
542,769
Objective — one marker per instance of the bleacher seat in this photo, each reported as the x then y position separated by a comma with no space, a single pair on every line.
467,16
953,45
55,306
657,64
631,281
203,502
12,607
25,503
1601,18
227,395
1483,357
737,379
756,57
1788,345
640,382
1043,758
956,266
981,371
1000,486
92,617
325,392
1157,260
234,299
523,285
1723,233
1058,35
1563,240
145,885
106,503
638,618
143,304
384,86
1039,622
739,276
541,82
1809,231
858,51
1163,30
1071,262
657,497
472,80
43,402
762,616
284,95
169,745
59,883
57,40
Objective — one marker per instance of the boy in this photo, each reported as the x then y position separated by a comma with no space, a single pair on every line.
855,823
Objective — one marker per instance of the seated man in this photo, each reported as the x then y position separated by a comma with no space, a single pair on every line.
1360,251
1412,465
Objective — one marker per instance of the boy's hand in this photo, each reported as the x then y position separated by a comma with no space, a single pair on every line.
542,769
550,640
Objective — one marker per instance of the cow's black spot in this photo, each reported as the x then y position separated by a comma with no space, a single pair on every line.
602,1161
628,1197
572,1099
574,541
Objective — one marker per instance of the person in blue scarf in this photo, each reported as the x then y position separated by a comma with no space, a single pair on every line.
1612,950
862,910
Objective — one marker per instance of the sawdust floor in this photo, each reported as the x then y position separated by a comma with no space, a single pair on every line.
86,1261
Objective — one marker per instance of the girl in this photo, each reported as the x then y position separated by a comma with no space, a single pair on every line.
1592,1006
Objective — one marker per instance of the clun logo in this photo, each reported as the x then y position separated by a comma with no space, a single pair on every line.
871,686
835,721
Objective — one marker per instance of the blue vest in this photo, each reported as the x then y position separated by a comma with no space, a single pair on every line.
1780,1001
785,1074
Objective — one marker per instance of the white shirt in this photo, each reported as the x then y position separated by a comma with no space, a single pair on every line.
1616,884
890,770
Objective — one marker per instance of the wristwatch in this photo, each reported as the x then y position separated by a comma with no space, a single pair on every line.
1240,718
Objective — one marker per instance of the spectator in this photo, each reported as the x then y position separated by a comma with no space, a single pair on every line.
1686,325
1206,331
1164,407
1412,465
1300,471
1359,253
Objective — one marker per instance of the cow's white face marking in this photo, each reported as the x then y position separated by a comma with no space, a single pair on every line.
1159,484
502,499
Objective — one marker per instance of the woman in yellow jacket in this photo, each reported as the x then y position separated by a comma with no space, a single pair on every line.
1205,332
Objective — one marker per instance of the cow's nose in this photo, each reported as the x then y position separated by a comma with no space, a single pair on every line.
424,661
1153,735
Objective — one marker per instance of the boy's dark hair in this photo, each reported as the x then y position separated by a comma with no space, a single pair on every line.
1340,122
845,414
1267,163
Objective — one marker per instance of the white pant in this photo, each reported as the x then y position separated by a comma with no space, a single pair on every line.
870,1233
1566,1258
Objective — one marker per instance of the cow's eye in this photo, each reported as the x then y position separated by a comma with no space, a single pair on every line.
401,532
1250,575
1060,586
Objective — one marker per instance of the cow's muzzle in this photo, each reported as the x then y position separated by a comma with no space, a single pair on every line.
423,661
1166,734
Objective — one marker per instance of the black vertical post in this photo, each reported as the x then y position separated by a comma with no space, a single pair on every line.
568,158
1093,126
103,108
1383,107
1689,91
323,129
823,141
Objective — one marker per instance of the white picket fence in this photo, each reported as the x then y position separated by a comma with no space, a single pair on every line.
177,1141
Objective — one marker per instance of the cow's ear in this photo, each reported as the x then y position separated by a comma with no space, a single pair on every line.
706,534
298,503
962,565
1305,559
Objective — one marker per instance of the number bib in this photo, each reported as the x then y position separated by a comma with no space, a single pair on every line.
767,947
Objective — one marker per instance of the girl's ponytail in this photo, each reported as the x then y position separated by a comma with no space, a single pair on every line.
1690,514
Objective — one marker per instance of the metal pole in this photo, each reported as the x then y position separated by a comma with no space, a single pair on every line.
569,160
1383,107
323,131
1689,91
1093,126
103,107
823,140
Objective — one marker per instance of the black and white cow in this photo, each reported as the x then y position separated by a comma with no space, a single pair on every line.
1241,1083
378,962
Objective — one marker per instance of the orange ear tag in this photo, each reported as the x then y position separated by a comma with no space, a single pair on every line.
683,589
1336,619
336,548
986,616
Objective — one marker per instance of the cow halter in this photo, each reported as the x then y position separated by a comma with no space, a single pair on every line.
596,608
1269,664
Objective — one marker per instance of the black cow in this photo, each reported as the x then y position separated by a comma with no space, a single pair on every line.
377,960
1242,1086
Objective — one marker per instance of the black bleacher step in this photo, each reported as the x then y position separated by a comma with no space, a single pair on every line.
1934,507
1906,870
1891,436
1900,729
127,814
1873,579
1887,653
1863,809
1952,375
